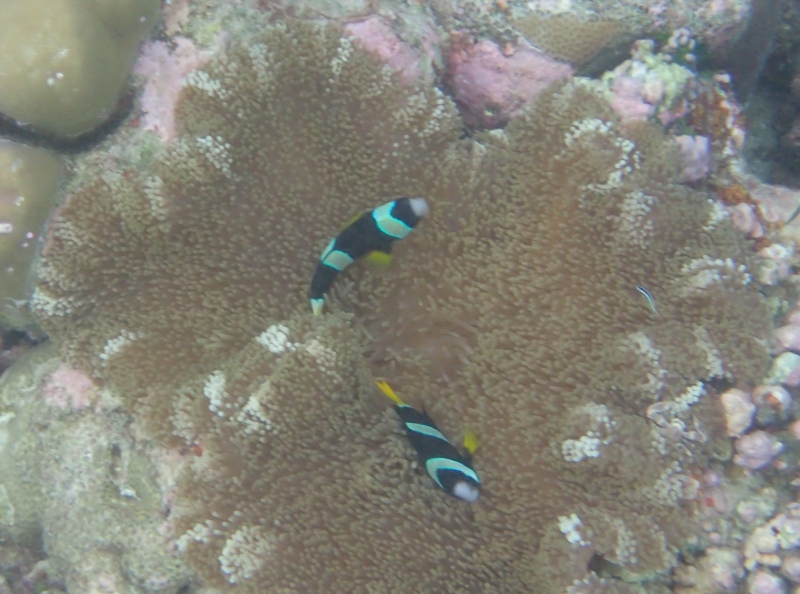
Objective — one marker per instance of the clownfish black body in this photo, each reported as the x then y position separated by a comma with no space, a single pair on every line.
373,232
449,468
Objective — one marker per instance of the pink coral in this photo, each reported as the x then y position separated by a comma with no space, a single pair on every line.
696,151
69,388
756,450
763,582
165,71
791,568
491,87
779,261
744,217
176,14
789,337
775,203
629,101
376,35
739,410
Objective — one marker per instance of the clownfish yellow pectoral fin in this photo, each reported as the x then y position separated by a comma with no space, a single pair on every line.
389,392
378,260
470,441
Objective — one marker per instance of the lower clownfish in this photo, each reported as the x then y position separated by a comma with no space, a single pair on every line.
371,233
448,468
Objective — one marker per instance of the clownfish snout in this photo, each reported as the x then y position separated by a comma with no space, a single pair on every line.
465,491
419,206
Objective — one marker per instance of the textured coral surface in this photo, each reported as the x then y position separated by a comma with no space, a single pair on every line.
29,179
513,311
80,488
63,63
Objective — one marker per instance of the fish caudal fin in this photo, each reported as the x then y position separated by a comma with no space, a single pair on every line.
470,442
389,392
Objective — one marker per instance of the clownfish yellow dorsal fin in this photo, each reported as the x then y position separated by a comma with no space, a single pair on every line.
351,221
470,441
378,260
389,392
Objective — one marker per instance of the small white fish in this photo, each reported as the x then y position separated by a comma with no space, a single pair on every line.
650,301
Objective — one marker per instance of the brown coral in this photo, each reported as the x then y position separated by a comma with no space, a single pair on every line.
569,37
512,312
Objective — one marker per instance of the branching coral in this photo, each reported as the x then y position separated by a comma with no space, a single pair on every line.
513,312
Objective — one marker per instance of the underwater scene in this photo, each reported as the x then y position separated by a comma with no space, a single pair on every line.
399,296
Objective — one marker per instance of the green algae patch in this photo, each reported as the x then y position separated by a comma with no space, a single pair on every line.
64,63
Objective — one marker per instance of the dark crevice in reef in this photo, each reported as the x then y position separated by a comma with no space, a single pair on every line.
13,344
772,147
11,129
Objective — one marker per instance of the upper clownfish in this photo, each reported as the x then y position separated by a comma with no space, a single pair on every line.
448,468
370,233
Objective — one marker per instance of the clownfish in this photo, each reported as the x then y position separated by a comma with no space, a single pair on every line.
372,233
448,468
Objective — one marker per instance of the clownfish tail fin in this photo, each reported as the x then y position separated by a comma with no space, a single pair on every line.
389,392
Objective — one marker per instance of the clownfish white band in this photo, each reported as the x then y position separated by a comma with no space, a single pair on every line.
434,465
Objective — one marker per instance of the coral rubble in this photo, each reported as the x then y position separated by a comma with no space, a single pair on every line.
513,312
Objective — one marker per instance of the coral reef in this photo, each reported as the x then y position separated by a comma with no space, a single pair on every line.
696,151
570,37
491,85
739,411
182,287
80,487
650,84
594,34
29,179
164,71
64,63
376,35
756,449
